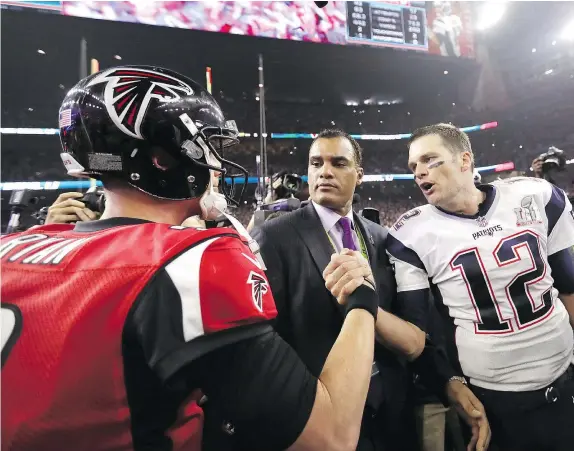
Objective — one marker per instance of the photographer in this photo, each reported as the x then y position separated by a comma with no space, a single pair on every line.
536,167
281,197
548,164
68,208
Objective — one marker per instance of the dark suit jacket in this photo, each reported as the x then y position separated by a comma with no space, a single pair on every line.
296,250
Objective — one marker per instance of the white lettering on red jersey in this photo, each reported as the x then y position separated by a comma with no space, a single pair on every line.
65,299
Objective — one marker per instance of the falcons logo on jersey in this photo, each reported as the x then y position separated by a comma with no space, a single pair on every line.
129,91
259,287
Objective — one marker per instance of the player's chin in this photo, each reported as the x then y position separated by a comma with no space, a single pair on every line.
326,199
432,198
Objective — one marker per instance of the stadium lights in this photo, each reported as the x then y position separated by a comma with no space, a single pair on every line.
490,14
548,72
445,72
118,57
568,32
41,52
84,184
55,131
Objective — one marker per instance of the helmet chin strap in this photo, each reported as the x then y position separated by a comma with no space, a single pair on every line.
212,204
251,243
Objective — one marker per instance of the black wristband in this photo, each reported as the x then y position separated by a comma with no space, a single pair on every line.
364,298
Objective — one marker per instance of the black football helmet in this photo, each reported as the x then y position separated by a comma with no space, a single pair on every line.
152,127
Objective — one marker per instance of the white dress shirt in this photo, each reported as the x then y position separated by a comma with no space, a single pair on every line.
330,220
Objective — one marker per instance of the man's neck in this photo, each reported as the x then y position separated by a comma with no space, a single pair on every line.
343,211
123,205
466,202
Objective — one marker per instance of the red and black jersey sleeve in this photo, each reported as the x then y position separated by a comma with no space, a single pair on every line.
205,298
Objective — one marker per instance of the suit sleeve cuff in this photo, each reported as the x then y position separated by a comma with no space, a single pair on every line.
435,370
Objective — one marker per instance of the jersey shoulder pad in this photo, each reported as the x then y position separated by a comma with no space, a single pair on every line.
410,219
526,186
50,228
170,241
225,277
519,181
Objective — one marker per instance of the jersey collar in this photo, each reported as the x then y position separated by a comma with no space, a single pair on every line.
102,224
483,208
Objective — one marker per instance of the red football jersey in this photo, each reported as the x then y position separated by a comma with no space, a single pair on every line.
72,371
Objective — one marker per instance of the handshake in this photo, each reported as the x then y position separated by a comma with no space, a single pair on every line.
347,271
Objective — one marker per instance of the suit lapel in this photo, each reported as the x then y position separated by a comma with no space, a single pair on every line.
311,230
369,243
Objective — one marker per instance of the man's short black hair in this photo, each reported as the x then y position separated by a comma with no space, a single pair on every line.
453,138
336,133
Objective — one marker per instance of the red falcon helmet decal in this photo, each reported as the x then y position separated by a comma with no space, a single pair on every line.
129,91
259,287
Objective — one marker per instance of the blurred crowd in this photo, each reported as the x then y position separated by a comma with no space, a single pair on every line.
519,138
283,20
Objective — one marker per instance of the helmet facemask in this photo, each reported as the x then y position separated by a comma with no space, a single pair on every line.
126,123
206,149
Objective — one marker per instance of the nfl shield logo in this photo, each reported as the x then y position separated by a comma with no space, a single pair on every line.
482,221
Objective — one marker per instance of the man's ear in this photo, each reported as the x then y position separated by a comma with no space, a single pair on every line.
467,162
360,174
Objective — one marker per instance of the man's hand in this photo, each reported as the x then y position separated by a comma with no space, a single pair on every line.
472,411
537,167
68,209
347,271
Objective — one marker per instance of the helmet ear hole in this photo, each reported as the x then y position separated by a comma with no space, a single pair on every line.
162,160
131,123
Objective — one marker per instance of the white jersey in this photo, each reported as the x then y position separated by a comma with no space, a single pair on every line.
491,271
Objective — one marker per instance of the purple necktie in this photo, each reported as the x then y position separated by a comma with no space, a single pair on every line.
348,241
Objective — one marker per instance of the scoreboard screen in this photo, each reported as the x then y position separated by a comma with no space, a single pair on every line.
439,28
380,23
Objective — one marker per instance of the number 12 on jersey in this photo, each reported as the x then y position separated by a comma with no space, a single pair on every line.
527,310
